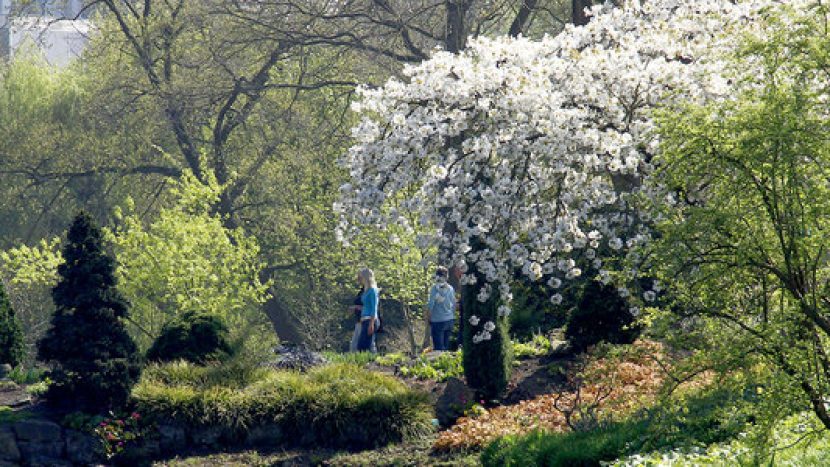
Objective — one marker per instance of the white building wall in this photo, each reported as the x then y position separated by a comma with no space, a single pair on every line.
39,28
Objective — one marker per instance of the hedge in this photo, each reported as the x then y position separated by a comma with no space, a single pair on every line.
339,405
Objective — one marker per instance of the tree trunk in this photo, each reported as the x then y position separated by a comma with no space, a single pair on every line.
413,346
456,38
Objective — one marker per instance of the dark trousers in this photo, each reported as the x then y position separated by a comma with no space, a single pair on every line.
441,332
366,343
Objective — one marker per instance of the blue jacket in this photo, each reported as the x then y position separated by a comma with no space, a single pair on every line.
370,303
441,303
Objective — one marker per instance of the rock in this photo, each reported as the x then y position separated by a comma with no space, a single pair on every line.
81,448
265,435
8,445
37,431
32,450
172,438
452,401
560,348
296,358
148,449
208,437
46,461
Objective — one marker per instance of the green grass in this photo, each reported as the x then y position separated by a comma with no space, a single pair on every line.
799,440
21,375
353,358
440,368
337,405
415,453
564,449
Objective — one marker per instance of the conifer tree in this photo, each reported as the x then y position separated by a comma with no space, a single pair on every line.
94,360
487,354
12,348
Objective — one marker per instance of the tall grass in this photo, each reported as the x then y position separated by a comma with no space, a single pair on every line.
339,405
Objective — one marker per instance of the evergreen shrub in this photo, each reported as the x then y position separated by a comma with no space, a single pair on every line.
93,360
192,336
600,316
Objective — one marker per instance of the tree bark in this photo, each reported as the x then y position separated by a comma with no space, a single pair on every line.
456,25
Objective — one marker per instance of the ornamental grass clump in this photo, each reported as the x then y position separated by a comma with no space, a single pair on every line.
337,405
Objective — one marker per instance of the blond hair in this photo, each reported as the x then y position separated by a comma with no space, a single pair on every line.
368,277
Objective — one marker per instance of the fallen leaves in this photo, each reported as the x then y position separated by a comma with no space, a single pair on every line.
607,387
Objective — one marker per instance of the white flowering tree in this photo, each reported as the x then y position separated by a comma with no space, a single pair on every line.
522,155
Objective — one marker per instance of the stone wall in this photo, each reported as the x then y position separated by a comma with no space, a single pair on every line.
41,442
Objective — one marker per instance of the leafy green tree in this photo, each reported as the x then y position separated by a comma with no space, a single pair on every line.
186,260
12,349
744,244
93,358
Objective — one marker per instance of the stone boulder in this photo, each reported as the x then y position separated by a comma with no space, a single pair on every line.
172,438
37,431
8,446
264,435
40,441
82,448
455,397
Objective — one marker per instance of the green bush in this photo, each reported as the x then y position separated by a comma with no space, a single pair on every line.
538,346
338,405
195,337
12,348
601,316
487,363
94,360
571,449
440,368
23,376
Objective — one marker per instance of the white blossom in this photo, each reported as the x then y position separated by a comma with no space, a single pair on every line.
508,152
474,320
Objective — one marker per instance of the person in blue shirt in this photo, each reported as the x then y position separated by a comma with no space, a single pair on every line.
441,307
369,311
